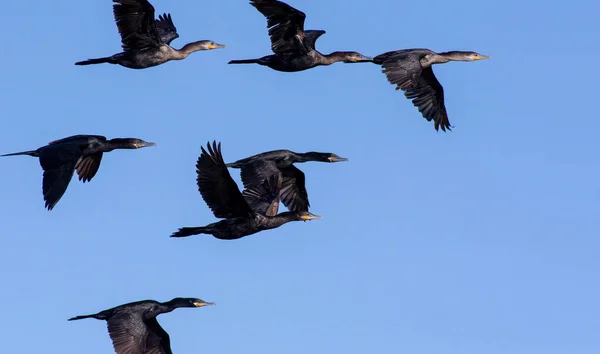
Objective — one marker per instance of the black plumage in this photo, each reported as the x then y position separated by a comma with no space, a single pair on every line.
410,70
146,40
133,327
225,200
293,47
82,153
256,169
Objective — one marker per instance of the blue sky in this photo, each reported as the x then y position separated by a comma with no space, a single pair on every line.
482,240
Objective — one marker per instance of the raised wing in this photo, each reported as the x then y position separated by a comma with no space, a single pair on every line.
286,25
128,333
419,85
135,21
264,198
157,341
311,36
216,186
166,28
293,191
88,166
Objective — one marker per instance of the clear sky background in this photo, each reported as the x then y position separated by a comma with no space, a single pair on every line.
482,240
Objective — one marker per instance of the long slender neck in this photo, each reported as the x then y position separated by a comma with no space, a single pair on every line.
188,49
334,57
282,218
112,144
440,58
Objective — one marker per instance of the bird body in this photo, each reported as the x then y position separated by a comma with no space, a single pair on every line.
133,327
245,213
256,169
82,153
294,47
410,70
146,41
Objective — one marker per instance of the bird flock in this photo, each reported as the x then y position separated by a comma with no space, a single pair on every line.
268,178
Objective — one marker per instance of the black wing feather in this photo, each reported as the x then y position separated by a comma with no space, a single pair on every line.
218,189
135,21
286,25
127,332
166,28
293,190
264,198
419,85
88,166
157,341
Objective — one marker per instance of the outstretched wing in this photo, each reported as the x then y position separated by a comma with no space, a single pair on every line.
88,166
135,21
157,341
286,26
55,182
216,186
255,173
128,333
166,28
293,191
419,85
264,198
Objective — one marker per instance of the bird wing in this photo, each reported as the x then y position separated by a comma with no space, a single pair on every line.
264,198
128,333
216,186
286,26
135,21
419,85
256,172
293,191
158,341
428,96
166,28
311,36
88,166
55,182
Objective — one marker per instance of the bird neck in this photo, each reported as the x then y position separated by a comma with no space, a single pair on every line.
283,218
440,58
118,143
334,57
189,49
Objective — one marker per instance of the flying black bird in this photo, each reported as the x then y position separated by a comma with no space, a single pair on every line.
83,153
223,197
410,70
133,327
294,47
146,41
256,169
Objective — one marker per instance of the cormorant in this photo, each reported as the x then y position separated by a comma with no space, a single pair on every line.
223,197
258,168
410,70
133,327
146,41
294,47
60,158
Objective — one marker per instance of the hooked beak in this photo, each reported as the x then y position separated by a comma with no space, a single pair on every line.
216,46
310,216
200,304
481,57
145,144
359,59
337,159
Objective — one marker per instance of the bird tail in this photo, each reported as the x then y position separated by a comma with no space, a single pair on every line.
30,153
96,61
82,317
245,61
189,231
233,165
